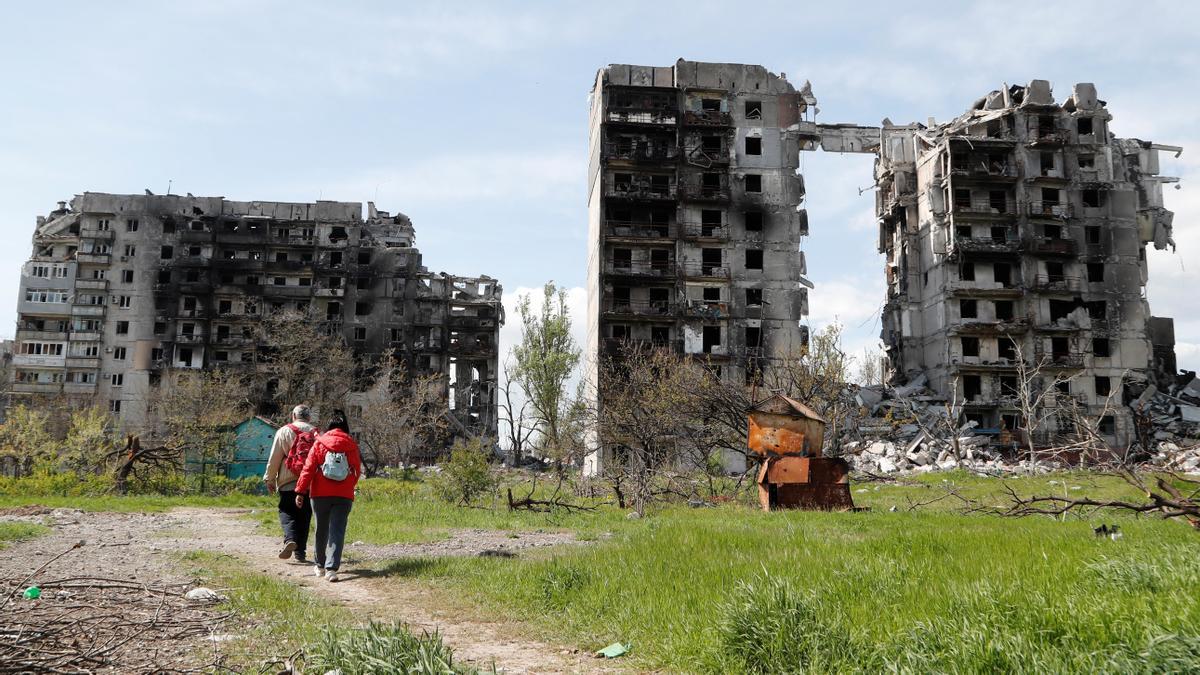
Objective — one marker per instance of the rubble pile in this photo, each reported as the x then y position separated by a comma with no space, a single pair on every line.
907,429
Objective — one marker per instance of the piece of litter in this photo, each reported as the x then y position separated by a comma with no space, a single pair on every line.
32,593
203,594
613,651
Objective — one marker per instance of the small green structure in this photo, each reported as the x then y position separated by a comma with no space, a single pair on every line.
252,448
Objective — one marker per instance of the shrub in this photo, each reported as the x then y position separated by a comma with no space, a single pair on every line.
466,475
380,648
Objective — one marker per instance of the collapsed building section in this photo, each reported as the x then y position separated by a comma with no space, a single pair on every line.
1015,238
121,288
694,216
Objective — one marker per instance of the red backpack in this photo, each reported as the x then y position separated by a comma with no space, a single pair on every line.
301,446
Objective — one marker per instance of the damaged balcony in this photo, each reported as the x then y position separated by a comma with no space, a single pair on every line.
707,187
643,268
1057,283
642,105
616,229
639,187
639,308
1052,247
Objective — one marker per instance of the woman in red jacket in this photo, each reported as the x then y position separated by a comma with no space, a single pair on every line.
331,494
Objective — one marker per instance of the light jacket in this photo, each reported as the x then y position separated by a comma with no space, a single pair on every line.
314,483
277,473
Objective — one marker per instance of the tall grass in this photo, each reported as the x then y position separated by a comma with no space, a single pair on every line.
381,649
19,531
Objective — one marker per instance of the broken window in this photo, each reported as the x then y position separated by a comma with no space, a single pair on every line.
1006,348
164,276
360,333
710,221
962,198
660,259
711,338
305,281
1087,161
621,297
968,309
1103,385
622,258
1052,231
710,104
619,331
337,234
966,271
251,280
962,231
280,281
1054,272
972,387
1091,198
710,260
1060,347
753,145
754,259
998,201
753,110
753,182
754,297
660,300
712,294
1004,310
660,336
970,346
281,256
1045,125
1084,124
753,336
335,259
1008,386
221,356
999,234
160,327
1061,309
185,355
995,129
1050,196
167,252
754,221
1092,232
1047,163
1100,347
364,257
1095,272
1108,425
1002,274
224,306
1097,309
362,308
711,144
222,332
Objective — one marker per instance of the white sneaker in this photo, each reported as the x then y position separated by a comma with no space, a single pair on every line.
318,571
331,575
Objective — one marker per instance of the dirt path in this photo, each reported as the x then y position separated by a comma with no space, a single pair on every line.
135,547
479,642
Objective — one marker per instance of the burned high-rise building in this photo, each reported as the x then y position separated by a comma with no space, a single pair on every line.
1015,238
121,288
694,215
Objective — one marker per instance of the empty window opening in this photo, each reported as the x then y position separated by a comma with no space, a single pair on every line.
1050,196
1004,310
1052,231
1087,161
1097,309
1047,163
753,182
1060,347
1091,198
360,333
968,309
966,272
660,336
1002,274
660,259
753,145
753,110
619,332
972,387
1054,272
711,144
962,198
710,260
1108,425
1008,387
1006,348
754,221
712,294
998,201
621,297
622,258
167,252
754,297
1092,232
754,259
712,338
999,233
1084,125
364,257
970,346
1103,385
1061,309
1095,272
710,104
1101,347
962,231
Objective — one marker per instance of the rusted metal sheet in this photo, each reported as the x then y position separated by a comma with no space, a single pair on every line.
787,435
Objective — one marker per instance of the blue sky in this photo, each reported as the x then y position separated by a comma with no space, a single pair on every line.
472,118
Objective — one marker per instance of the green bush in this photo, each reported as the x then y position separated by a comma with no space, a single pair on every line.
466,475
381,648
45,482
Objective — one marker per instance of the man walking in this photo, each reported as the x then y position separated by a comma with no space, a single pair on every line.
288,452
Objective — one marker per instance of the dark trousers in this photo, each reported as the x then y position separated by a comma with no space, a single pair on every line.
295,520
332,514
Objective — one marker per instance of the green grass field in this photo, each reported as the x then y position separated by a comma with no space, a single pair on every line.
732,589
14,531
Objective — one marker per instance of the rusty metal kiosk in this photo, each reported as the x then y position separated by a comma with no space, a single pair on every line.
787,435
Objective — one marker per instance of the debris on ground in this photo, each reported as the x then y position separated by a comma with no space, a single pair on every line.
613,651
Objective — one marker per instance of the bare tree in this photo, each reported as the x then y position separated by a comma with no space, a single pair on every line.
195,412
816,375
1040,398
304,359
401,414
515,416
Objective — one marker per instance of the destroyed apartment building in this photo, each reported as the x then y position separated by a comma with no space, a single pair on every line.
122,288
1015,238
695,217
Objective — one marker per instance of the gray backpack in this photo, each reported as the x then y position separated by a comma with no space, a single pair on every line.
335,467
